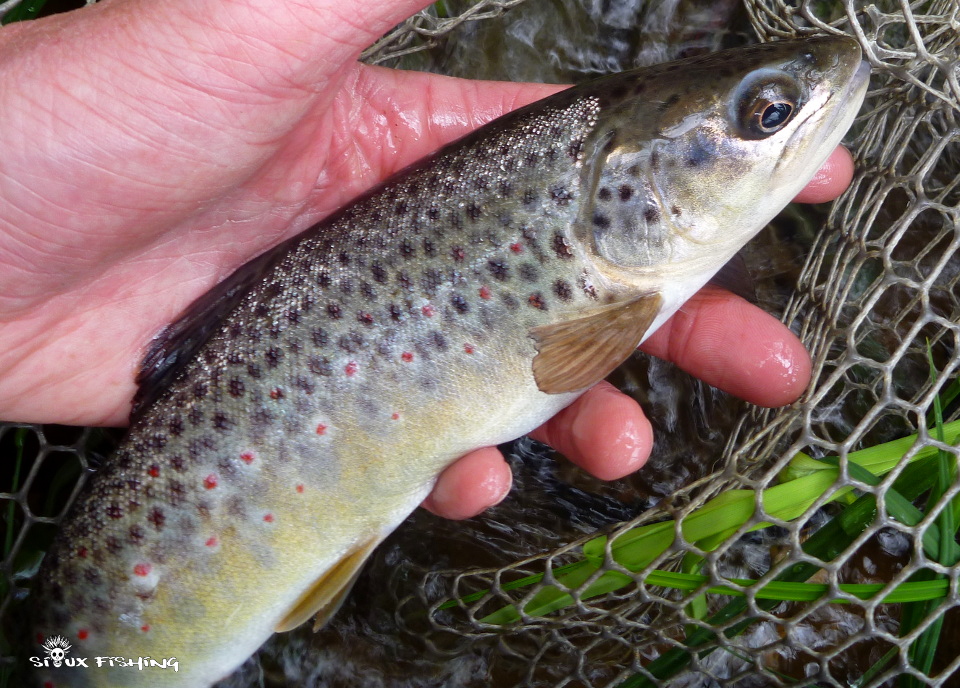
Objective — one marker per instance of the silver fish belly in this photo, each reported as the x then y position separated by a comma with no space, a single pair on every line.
299,411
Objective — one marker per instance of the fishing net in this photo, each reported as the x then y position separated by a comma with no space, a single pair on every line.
853,485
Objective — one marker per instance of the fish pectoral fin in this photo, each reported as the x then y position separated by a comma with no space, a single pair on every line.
575,354
327,594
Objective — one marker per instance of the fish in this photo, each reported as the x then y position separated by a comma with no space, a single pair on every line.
296,414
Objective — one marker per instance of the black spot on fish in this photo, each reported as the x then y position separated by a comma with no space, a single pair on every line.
626,192
528,272
175,426
323,278
604,194
261,310
351,342
195,416
407,249
574,149
696,156
333,310
675,209
432,278
459,303
178,463
505,219
176,492
396,313
499,269
200,390
304,385
455,219
344,258
137,534
319,365
367,290
505,188
537,301
198,447
672,100
563,290
273,356
346,285
429,248
400,209
379,273
651,214
601,221
634,171
458,254
439,341
253,370
618,92
560,195
510,301
91,574
529,196
293,316
474,211
275,329
561,247
433,181
235,387
532,159
157,518
222,421
433,212
365,318
114,510
480,183
320,337
403,279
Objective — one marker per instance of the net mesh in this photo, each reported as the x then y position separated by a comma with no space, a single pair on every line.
877,306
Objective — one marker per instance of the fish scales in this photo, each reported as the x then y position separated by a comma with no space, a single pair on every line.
298,412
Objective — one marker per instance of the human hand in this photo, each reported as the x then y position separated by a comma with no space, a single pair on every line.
149,150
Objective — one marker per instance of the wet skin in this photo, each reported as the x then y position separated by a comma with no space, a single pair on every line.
127,192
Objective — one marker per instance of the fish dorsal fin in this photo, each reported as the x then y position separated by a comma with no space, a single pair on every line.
176,344
574,354
325,596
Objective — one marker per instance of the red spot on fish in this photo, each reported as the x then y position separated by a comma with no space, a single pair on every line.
395,416
212,542
321,429
82,552
468,348
516,247
484,292
351,368
300,488
142,569
365,318
427,310
247,457
276,393
406,356
83,633
210,481
268,518
154,471
145,628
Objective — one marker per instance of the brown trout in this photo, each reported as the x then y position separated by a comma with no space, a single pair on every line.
300,410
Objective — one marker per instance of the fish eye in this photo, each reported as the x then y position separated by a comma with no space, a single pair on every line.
770,118
765,103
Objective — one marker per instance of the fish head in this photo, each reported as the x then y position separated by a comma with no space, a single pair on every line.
686,163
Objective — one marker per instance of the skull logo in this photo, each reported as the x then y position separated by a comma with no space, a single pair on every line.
56,649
